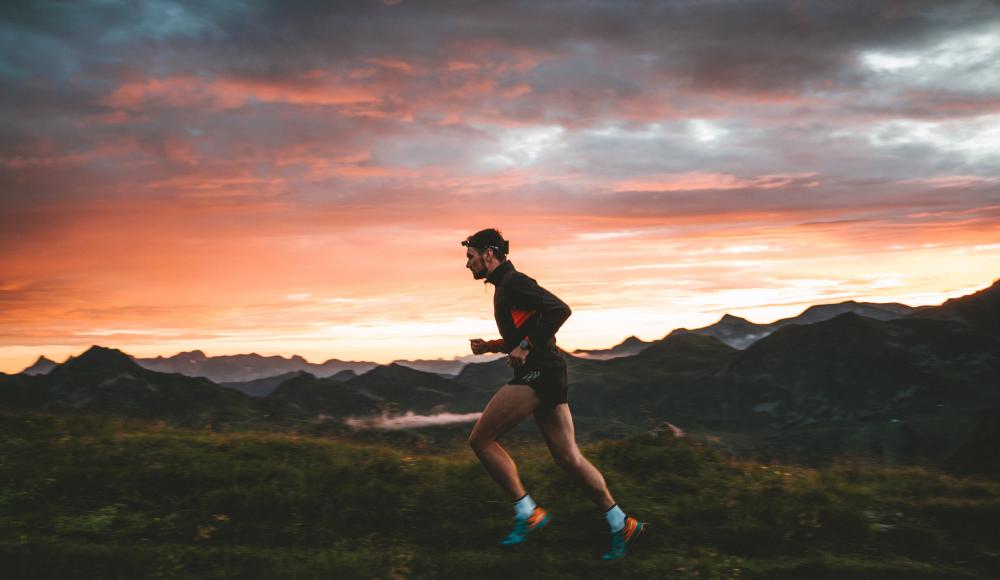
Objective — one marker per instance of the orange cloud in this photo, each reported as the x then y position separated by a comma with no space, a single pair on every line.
231,93
714,181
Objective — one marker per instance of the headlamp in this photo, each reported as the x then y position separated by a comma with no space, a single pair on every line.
505,249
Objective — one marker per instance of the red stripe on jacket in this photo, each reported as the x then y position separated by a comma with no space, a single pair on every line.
520,316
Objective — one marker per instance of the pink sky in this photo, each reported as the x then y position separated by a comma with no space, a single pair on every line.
187,178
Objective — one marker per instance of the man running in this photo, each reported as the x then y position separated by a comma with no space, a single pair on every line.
528,317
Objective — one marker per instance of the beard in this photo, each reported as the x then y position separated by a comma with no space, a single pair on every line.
479,274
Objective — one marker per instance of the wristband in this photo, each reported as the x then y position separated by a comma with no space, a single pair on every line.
525,345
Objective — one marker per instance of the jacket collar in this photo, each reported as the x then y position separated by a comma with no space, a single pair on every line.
499,272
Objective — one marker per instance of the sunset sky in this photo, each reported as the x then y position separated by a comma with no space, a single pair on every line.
295,177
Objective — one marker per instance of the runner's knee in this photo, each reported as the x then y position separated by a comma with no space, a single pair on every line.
477,440
569,461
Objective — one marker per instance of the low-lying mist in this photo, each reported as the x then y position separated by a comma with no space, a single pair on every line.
409,420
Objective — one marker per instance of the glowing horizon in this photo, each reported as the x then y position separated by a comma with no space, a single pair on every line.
385,356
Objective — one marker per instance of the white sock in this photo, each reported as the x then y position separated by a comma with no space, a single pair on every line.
615,517
524,507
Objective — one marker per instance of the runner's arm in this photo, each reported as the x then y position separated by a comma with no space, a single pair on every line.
550,310
495,345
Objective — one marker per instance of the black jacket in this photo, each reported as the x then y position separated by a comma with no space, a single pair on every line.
523,309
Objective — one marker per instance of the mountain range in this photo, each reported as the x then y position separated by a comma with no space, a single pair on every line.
906,385
247,368
104,380
740,333
251,369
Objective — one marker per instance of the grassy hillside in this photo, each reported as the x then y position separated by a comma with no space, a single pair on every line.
88,497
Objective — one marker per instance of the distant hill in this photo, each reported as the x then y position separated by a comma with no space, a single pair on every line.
740,333
980,310
448,368
408,389
265,386
243,368
246,367
673,380
629,346
687,352
902,389
40,366
875,310
385,388
735,331
306,397
899,389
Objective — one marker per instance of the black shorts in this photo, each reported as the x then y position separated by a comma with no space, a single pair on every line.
549,382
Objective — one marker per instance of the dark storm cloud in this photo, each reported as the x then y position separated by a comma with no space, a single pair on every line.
766,45
711,45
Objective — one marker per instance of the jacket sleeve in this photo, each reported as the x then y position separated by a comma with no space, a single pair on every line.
495,345
550,311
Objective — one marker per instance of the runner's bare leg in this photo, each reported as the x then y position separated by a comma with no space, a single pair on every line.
510,405
556,426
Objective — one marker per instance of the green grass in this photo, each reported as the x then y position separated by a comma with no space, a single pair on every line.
92,497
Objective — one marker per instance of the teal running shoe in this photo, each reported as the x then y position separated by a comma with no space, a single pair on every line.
536,521
624,537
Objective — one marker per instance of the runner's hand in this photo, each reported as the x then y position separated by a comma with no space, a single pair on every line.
478,345
518,357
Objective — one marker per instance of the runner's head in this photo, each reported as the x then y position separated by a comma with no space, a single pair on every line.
484,251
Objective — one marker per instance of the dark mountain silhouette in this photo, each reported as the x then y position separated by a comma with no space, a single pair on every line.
732,330
344,375
688,352
393,387
306,397
409,389
265,386
903,389
40,366
262,387
629,346
740,333
96,361
21,392
980,311
108,380
447,368
857,362
898,389
672,380
821,312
